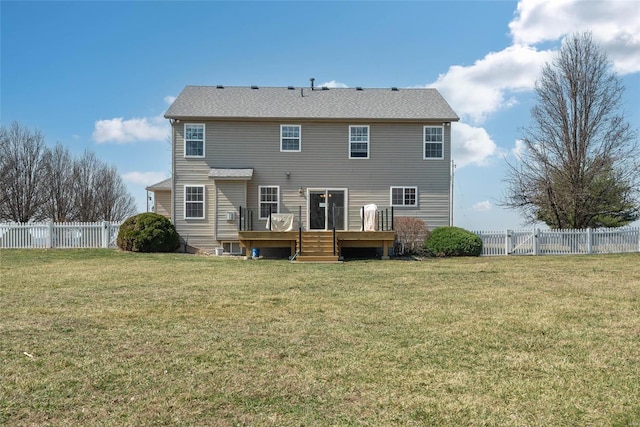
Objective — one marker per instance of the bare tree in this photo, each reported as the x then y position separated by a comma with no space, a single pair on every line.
60,204
85,171
100,193
113,201
21,172
580,167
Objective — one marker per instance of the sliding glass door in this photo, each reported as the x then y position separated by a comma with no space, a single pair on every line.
326,209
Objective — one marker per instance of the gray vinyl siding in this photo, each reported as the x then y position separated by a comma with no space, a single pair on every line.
396,159
162,201
230,195
198,233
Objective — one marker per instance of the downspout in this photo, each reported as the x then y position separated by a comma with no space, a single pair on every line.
173,172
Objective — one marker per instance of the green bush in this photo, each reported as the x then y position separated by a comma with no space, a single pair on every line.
148,232
453,241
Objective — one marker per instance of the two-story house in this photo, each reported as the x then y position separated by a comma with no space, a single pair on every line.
240,154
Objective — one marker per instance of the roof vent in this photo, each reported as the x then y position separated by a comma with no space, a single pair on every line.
358,88
290,87
395,89
219,87
325,88
254,87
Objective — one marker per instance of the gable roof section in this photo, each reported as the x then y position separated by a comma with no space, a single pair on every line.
211,102
159,186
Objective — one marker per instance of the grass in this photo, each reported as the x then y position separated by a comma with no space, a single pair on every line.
101,337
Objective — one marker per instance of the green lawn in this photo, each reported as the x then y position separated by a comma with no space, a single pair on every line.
101,337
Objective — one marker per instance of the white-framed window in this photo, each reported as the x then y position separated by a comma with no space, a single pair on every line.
194,202
358,142
193,140
268,200
404,196
433,142
232,248
290,138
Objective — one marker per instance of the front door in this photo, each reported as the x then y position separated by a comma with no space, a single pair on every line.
326,209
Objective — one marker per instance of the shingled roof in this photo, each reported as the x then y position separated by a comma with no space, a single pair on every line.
218,102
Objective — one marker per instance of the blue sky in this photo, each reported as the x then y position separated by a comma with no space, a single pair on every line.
100,75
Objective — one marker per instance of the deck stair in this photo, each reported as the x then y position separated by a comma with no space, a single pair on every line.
317,246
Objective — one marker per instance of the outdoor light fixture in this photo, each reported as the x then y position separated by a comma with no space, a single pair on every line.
300,191
288,174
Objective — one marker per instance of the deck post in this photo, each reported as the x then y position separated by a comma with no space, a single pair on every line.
362,216
239,218
391,218
299,229
269,219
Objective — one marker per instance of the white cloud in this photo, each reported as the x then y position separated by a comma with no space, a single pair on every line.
471,145
518,149
144,178
615,26
482,206
481,89
169,99
334,84
123,131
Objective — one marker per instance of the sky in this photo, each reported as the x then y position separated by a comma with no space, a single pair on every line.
100,75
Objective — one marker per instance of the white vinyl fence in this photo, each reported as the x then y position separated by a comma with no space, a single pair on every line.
58,235
560,242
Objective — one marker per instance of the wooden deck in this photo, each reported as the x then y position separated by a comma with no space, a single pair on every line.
344,239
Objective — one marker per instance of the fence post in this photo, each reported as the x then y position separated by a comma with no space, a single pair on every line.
507,242
589,241
105,234
536,247
50,238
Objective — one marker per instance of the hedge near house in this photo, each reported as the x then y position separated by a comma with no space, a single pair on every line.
453,241
148,232
411,234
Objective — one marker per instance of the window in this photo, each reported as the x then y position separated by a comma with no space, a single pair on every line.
193,140
404,196
194,201
433,142
358,142
268,200
233,248
290,138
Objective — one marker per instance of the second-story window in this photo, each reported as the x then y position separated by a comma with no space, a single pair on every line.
290,138
358,142
193,140
433,142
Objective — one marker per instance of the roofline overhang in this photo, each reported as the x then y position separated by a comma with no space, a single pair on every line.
311,119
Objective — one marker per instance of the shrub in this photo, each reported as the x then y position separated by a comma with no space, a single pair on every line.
411,234
453,241
148,232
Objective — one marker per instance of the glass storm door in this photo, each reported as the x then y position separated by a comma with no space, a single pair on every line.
326,208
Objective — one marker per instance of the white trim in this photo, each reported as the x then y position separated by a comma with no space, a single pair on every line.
424,143
368,141
325,189
204,139
299,139
184,199
403,205
260,187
